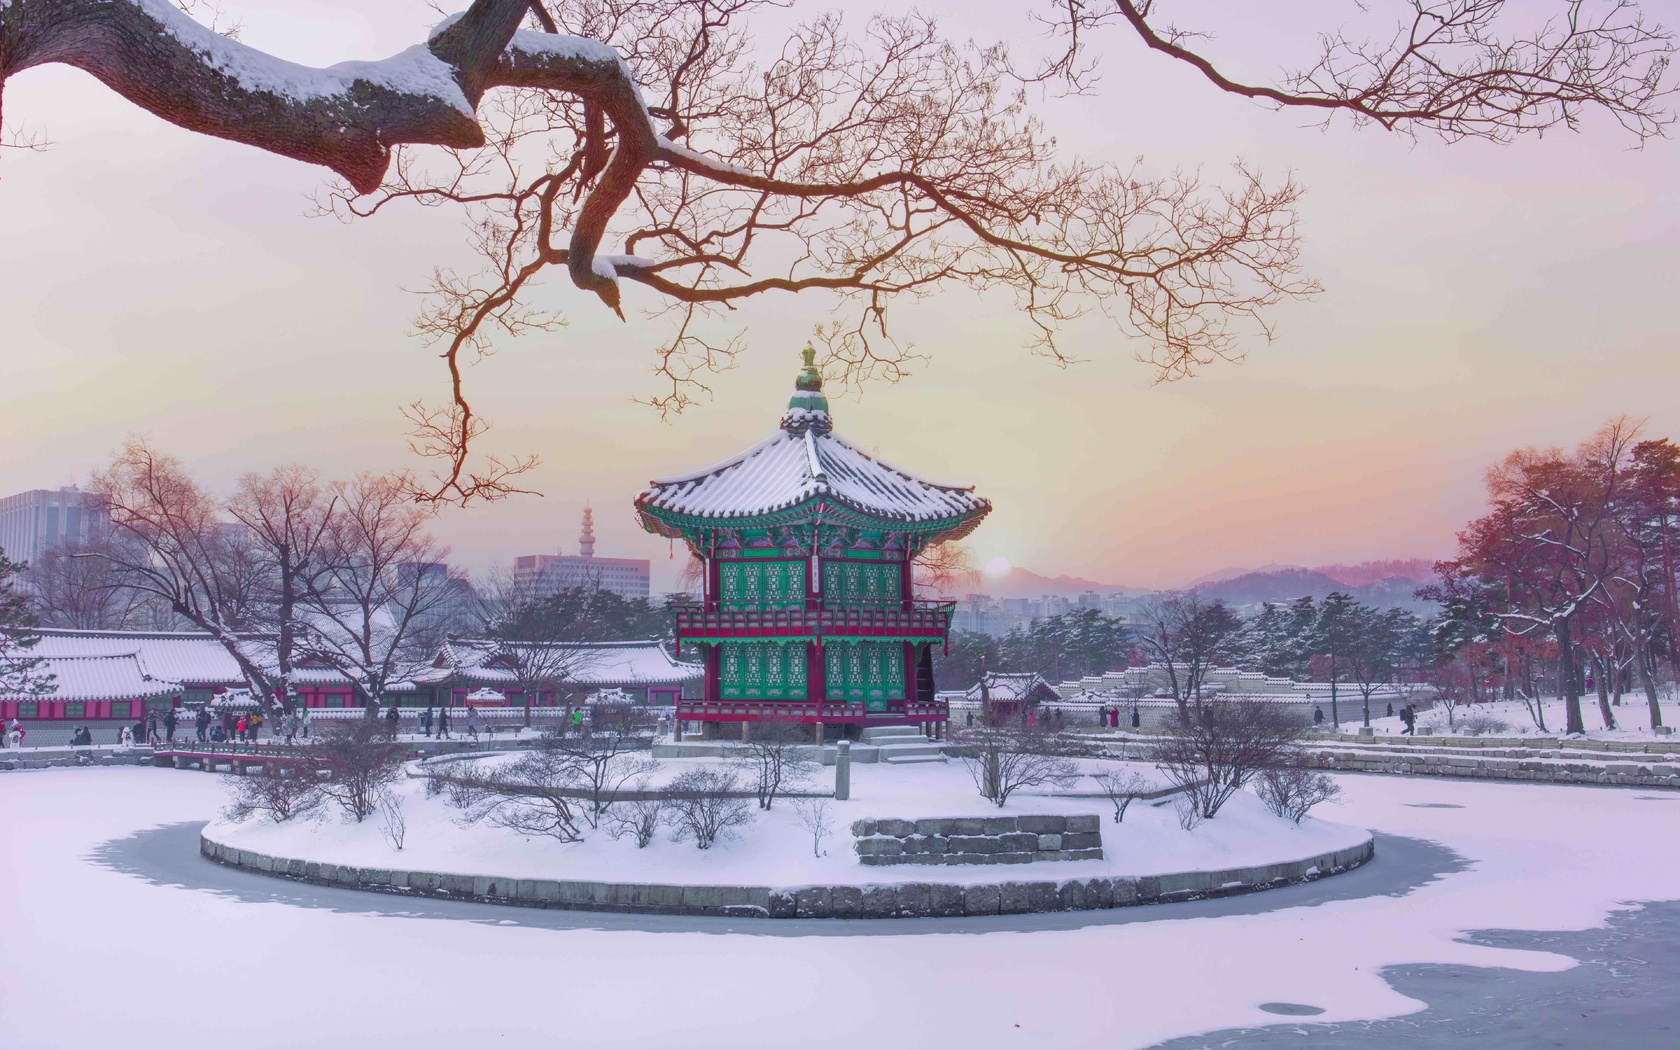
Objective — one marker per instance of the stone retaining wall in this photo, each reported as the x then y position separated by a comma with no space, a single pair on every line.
978,840
1626,774
907,900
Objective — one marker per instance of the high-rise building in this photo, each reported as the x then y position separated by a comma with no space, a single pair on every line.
536,574
34,522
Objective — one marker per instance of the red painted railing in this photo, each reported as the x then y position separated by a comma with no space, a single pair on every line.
911,619
810,711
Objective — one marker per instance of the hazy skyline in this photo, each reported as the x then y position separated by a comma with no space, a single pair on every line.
1477,298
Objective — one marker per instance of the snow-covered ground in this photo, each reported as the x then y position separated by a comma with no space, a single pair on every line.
1633,718
91,956
775,850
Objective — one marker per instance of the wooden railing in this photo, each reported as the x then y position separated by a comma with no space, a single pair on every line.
810,710
815,619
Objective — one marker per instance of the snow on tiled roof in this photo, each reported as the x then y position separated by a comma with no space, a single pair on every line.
177,657
597,663
112,676
1013,686
802,461
183,657
793,467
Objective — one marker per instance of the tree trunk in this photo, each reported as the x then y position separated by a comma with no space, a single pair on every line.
1574,725
1601,674
1646,680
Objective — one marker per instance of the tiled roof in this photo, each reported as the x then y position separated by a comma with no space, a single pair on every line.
597,664
182,657
114,676
803,461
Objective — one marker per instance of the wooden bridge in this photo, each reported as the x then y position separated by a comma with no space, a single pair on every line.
240,757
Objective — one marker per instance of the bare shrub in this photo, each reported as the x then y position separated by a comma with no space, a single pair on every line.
774,759
1290,791
639,818
275,790
360,762
1120,787
535,795
815,818
1217,748
1481,724
392,824
601,761
1003,761
704,806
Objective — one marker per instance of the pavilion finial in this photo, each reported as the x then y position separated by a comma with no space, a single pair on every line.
808,408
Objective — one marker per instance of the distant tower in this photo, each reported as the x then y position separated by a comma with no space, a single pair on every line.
586,541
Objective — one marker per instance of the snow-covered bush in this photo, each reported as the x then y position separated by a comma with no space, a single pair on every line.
639,818
814,817
1479,724
392,824
1003,760
1290,791
599,761
278,792
535,795
360,761
1120,787
704,805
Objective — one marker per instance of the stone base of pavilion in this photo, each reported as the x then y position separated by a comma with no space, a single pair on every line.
885,743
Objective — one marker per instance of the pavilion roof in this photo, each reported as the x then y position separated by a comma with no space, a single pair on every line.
805,461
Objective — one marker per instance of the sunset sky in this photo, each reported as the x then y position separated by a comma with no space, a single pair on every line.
1478,297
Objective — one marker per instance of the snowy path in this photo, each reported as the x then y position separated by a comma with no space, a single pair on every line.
89,952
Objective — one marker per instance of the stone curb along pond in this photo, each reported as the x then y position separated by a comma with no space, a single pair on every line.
919,899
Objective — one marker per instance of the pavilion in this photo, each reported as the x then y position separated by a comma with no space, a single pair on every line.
809,613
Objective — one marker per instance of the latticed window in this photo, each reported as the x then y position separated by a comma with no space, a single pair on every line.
762,582
862,581
865,670
763,670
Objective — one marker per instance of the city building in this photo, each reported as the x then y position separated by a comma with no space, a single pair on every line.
808,614
34,522
538,574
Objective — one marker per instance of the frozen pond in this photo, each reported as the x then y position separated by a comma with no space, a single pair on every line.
113,932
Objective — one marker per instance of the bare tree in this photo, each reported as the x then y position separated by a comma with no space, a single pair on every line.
385,582
1003,761
538,636
289,516
1224,744
279,789
173,546
815,817
1290,791
706,806
1188,636
774,757
360,763
74,586
1121,787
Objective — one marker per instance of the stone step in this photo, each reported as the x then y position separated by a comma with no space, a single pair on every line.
893,756
883,734
895,751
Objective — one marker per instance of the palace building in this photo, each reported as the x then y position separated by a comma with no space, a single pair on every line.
809,613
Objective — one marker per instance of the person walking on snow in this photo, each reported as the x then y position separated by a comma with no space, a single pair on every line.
169,726
426,721
393,719
1408,716
1318,716
472,722
443,723
17,733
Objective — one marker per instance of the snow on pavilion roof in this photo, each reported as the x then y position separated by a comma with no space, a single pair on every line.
804,461
113,676
598,664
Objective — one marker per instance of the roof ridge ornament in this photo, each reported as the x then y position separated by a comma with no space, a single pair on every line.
807,409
